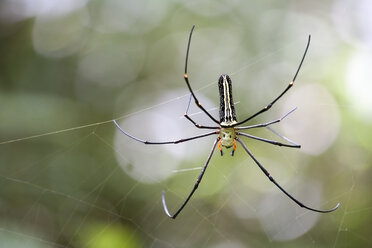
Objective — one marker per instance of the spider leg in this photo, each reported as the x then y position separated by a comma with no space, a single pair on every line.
283,190
281,136
198,125
196,185
273,142
192,121
267,107
267,123
164,142
186,77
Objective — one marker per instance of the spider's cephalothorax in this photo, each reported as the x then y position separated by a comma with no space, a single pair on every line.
227,139
229,131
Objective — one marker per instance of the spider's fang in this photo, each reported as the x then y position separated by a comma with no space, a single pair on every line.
219,148
232,152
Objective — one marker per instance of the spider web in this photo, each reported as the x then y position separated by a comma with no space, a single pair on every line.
70,195
205,224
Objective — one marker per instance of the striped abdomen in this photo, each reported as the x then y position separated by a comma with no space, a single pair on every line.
227,109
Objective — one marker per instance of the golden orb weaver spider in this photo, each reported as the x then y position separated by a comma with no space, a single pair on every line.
228,131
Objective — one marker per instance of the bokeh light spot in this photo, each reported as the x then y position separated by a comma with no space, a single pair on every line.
358,83
316,122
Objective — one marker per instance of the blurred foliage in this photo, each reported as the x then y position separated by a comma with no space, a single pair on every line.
70,179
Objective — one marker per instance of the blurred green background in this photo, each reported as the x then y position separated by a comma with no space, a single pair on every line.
70,179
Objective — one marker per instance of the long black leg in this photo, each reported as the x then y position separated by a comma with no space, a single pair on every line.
273,142
163,142
267,123
196,185
285,192
192,121
186,77
267,107
198,125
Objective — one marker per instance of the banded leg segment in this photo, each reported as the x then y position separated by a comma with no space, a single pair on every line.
192,121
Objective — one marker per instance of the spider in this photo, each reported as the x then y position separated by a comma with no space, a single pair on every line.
228,130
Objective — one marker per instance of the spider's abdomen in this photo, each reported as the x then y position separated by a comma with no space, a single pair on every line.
227,108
